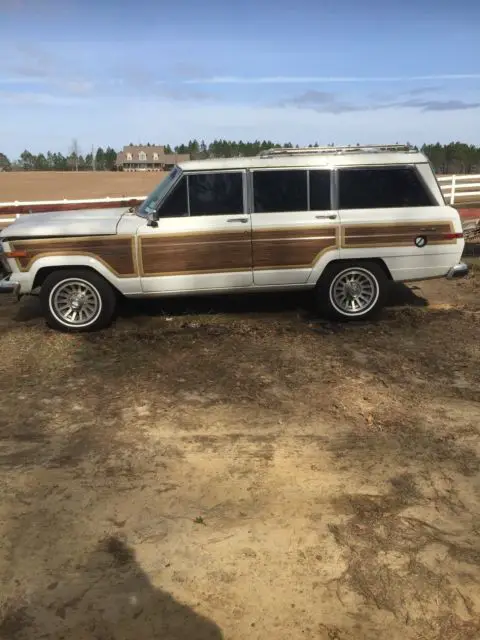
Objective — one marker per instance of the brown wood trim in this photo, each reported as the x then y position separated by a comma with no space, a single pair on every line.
292,248
115,252
357,236
287,254
201,252
292,233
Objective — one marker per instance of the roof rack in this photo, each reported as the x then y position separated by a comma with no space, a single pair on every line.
371,148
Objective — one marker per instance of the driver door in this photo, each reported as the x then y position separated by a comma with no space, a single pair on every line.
203,238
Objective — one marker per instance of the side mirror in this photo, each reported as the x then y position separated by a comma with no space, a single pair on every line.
151,221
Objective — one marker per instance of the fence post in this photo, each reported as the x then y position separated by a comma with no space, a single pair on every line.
452,191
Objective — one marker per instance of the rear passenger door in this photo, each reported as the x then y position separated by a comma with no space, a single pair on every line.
293,225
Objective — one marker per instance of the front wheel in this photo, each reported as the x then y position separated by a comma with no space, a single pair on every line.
350,291
77,300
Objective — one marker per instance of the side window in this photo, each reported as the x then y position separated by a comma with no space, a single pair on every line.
382,188
284,190
175,205
215,193
319,190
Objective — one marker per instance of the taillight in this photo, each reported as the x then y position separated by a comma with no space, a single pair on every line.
452,236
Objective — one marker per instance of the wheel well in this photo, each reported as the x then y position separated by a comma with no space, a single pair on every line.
44,272
357,261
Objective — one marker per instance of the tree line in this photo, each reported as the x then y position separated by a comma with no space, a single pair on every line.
101,160
455,157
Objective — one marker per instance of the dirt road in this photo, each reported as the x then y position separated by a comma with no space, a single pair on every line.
240,469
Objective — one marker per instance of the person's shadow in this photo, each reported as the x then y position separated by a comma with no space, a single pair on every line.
110,598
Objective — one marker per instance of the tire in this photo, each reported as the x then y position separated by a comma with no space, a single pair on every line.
77,300
336,302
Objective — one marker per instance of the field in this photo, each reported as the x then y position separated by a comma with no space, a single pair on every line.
239,468
47,185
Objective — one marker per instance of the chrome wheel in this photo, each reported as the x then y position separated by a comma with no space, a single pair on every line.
354,291
75,302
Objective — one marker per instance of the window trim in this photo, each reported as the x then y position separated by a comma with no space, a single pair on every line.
243,173
369,167
174,184
329,170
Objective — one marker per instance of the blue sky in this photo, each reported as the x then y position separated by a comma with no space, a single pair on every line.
112,72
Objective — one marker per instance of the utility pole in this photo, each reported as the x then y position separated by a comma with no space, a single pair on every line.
93,160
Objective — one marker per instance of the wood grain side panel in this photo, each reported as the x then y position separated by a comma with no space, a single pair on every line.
381,235
394,229
294,234
116,253
285,254
196,237
196,253
291,248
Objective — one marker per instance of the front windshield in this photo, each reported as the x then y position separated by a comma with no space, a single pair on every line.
150,204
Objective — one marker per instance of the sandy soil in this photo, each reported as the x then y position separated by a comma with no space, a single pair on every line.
237,468
47,185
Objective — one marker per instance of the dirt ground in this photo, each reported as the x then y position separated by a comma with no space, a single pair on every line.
28,186
238,468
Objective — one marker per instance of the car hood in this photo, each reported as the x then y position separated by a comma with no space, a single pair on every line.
80,222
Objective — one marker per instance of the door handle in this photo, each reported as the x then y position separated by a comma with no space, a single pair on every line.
244,220
329,217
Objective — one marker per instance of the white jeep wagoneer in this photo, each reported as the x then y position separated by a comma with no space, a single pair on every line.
341,221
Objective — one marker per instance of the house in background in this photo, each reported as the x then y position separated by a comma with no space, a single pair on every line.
148,158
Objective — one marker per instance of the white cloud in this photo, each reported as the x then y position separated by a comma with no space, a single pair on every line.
79,87
113,122
328,79
22,80
24,98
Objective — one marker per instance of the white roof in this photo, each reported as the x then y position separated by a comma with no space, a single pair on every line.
313,159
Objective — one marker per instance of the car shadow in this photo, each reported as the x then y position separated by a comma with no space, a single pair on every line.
299,303
401,295
110,596
252,303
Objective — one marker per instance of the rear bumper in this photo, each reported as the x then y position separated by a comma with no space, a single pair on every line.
460,270
9,286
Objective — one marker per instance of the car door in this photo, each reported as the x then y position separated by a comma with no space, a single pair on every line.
294,229
203,237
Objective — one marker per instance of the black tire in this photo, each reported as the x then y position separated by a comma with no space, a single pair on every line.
328,292
97,293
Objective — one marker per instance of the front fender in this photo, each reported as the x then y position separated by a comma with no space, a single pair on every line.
26,279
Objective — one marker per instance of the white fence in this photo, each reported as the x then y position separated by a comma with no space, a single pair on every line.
460,189
457,189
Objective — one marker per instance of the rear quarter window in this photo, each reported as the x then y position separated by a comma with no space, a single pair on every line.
382,187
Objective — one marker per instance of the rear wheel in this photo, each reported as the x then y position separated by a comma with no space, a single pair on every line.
348,291
76,300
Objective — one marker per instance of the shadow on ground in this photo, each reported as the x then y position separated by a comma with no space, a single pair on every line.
300,303
110,597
